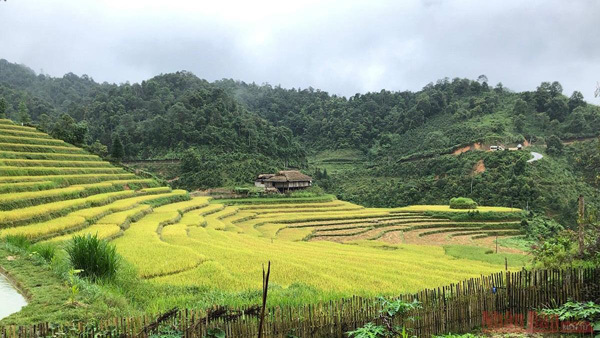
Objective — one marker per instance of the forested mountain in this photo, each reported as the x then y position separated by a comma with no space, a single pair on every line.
401,142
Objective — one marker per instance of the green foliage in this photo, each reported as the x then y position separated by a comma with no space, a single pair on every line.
215,333
23,113
554,145
116,149
68,130
98,148
18,241
483,255
556,252
577,311
313,191
462,203
369,330
540,228
390,309
96,258
203,169
45,250
2,108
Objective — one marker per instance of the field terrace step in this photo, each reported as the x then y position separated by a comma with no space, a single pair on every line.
22,133
36,171
16,155
26,186
33,140
109,226
70,179
141,245
53,163
293,206
90,208
40,148
12,126
10,201
83,218
264,212
214,220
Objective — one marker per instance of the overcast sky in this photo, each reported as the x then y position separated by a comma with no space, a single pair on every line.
342,47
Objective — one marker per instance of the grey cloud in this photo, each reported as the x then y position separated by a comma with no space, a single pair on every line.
342,47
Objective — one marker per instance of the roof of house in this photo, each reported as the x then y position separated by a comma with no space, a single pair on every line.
289,176
264,176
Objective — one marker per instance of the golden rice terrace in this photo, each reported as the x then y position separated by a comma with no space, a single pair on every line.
51,190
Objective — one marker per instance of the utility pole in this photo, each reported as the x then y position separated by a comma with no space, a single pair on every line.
581,223
496,243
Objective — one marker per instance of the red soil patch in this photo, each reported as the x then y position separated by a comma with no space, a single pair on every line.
478,168
474,146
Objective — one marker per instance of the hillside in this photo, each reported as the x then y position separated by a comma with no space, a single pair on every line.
381,149
173,245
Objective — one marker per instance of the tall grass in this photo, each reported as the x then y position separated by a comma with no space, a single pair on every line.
96,258
19,241
44,250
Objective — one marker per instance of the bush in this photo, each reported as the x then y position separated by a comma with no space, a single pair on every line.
462,203
313,191
95,257
19,241
45,250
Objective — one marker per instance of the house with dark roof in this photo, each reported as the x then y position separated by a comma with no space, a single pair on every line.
284,181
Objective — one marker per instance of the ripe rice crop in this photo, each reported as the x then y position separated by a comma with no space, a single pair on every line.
22,133
30,198
183,207
26,186
43,229
69,179
235,263
18,171
103,231
81,218
446,208
282,206
32,140
122,218
47,156
50,210
141,245
53,163
40,148
272,200
12,126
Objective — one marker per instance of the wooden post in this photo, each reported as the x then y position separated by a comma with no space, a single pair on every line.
264,299
581,221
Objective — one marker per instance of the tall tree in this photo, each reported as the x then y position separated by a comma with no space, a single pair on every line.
70,131
2,108
576,100
24,113
117,150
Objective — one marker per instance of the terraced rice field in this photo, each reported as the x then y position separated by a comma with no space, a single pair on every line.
50,190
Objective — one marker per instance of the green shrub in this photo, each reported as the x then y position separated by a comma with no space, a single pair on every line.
313,191
45,250
95,257
19,241
462,203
